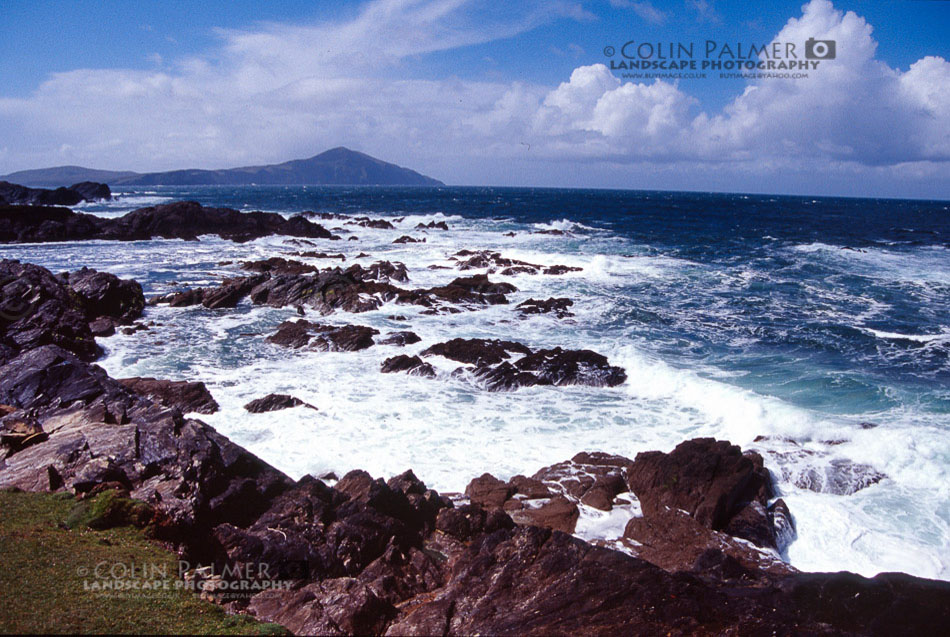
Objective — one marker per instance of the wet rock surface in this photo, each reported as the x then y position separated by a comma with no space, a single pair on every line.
489,364
303,333
180,220
558,307
14,194
368,556
410,364
183,395
275,402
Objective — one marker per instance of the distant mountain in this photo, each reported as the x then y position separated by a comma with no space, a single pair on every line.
63,175
338,166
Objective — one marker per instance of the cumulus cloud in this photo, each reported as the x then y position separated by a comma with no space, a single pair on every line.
281,91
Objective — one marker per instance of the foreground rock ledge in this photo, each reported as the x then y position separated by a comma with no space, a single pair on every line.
373,557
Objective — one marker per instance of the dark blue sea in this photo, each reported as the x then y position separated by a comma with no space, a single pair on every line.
813,330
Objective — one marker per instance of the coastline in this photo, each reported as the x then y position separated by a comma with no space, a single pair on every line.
374,547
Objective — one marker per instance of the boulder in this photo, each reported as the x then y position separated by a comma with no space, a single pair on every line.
400,339
37,309
183,395
275,402
712,481
476,351
409,364
106,295
558,307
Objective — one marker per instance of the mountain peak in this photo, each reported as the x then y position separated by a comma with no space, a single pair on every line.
336,166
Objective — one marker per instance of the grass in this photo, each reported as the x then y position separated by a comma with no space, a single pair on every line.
46,569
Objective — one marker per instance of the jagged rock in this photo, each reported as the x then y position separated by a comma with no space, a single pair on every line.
19,195
400,338
433,225
279,265
183,395
92,191
179,220
366,222
310,254
408,239
107,295
274,402
409,364
674,541
558,307
572,367
347,338
102,326
556,270
476,351
37,309
713,481
558,513
488,491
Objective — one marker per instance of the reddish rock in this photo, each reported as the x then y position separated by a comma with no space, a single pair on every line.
488,491
184,395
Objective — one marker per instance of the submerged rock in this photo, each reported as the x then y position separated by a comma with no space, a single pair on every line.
346,338
275,402
409,364
558,307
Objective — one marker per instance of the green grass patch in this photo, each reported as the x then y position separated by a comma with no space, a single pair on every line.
50,570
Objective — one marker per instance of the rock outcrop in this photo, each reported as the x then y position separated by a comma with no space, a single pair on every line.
368,556
180,220
183,395
14,194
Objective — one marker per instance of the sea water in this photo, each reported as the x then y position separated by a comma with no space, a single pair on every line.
815,331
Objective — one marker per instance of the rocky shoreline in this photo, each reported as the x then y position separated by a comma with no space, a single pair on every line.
368,556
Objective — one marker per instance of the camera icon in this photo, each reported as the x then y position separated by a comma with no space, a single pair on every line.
820,49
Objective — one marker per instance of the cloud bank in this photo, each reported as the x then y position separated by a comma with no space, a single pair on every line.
283,91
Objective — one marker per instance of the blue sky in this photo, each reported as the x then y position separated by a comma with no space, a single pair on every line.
481,93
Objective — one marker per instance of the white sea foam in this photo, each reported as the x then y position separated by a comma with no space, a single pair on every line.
448,430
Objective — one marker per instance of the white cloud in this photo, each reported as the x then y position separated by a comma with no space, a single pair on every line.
643,9
283,91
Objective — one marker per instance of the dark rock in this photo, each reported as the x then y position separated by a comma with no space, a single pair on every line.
560,269
713,481
558,307
279,265
488,491
16,194
310,254
347,338
558,513
91,191
476,351
37,309
179,220
366,222
274,402
102,326
408,239
432,225
400,338
410,364
470,521
105,294
183,395
572,367
674,541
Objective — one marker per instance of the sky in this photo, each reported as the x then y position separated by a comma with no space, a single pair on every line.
521,93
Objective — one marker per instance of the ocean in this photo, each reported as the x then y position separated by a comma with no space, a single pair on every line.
815,331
